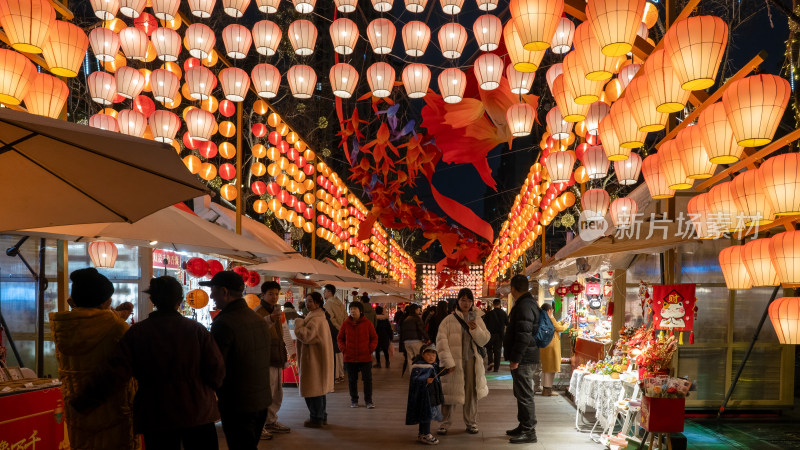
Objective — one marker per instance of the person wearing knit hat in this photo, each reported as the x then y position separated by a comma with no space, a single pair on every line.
85,338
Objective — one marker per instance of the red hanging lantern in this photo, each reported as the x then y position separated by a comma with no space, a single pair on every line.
197,267
253,279
214,267
242,271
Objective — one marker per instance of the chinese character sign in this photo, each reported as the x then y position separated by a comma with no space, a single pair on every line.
674,307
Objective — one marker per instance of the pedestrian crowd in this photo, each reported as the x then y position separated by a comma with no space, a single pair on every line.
169,379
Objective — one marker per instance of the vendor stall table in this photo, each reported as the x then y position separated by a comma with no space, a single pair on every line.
599,394
33,416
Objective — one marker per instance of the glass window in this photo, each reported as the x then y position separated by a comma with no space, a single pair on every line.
748,309
711,325
646,267
700,263
761,376
707,367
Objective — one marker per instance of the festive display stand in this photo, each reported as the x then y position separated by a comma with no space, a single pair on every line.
33,419
663,415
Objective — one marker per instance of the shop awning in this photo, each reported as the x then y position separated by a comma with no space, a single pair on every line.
372,286
205,208
54,172
310,269
171,228
389,299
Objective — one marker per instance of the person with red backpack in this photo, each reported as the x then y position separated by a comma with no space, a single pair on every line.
357,340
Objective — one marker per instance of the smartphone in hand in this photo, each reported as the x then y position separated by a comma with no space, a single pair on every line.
471,316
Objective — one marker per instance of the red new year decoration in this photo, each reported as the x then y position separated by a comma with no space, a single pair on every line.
674,307
197,267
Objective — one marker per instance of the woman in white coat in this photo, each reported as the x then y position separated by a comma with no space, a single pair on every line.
460,335
315,353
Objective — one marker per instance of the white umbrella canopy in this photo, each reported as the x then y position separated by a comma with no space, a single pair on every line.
389,299
307,268
54,172
172,228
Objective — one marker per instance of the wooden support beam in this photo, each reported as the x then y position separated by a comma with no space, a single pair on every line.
776,145
62,9
710,99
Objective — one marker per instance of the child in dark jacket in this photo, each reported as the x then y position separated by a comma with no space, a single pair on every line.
425,395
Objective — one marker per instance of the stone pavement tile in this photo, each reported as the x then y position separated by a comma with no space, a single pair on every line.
384,427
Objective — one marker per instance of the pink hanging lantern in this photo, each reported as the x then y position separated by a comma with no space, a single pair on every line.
780,177
519,82
105,9
166,9
344,78
552,73
268,6
488,70
452,83
201,8
46,95
134,43
102,87
266,80
559,165
235,83
130,82
597,112
623,212
200,124
132,8
626,74
131,122
452,38
488,29
693,156
235,8
167,43
104,122
103,254
749,193
199,40
201,82
655,179
733,268
416,79
717,135
304,6
382,5
344,35
164,85
380,77
237,40
723,210
595,202
164,125
346,6
627,171
487,5
105,43
558,127
784,248
381,33
303,36
416,36
596,162
266,37
302,81
451,6
758,262
520,117
562,39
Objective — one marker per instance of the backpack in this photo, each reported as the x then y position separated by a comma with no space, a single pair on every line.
544,335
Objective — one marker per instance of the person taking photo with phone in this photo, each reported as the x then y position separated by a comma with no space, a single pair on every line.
460,341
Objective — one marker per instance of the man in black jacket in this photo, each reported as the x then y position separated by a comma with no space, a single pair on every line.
523,355
244,340
496,322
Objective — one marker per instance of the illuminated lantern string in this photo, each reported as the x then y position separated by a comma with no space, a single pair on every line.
237,40
344,79
628,171
416,79
46,95
655,179
66,47
519,82
784,313
302,80
416,36
615,23
733,268
266,37
754,106
562,39
381,34
344,35
536,21
452,83
488,30
27,23
488,70
695,47
780,176
266,80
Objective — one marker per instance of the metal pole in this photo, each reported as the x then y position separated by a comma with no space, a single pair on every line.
41,286
747,353
239,174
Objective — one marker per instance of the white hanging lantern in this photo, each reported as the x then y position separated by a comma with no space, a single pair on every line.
304,6
452,83
520,117
303,36
199,40
237,40
382,5
346,6
552,73
266,80
202,8
302,80
164,84
416,6
451,6
628,170
102,87
134,43
105,43
488,29
488,71
416,79
452,38
416,36
626,75
130,82
487,5
104,122
201,82
595,202
266,37
597,112
235,8
519,82
380,77
562,39
344,35
105,9
596,162
344,78
235,83
166,42
103,254
164,125
268,6
559,165
200,124
132,8
381,33
131,122
166,9
558,127
623,212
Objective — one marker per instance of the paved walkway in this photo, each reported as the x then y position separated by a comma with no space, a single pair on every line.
384,427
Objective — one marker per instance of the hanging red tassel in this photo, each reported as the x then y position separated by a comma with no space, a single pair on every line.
691,338
671,333
610,311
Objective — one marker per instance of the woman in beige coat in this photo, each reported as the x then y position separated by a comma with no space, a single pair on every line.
315,353
551,355
465,382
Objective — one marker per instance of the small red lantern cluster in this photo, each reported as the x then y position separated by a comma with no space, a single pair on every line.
199,267
378,248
